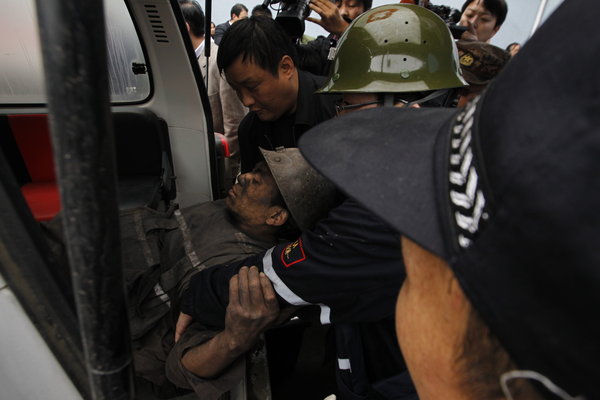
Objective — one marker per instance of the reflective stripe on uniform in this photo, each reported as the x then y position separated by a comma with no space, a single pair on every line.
325,316
344,364
286,293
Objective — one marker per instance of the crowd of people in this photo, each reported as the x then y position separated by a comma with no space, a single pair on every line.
446,247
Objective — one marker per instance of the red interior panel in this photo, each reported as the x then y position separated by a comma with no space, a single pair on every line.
43,199
32,136
141,144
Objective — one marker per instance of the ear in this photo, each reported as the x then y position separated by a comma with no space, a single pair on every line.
287,68
188,28
497,28
277,216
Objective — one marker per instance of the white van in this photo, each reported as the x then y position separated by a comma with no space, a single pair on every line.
150,114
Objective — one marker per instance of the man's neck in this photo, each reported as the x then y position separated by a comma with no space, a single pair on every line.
264,233
196,41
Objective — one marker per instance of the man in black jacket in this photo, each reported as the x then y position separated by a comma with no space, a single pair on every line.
259,62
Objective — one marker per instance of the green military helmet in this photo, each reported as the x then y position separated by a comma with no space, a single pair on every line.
395,48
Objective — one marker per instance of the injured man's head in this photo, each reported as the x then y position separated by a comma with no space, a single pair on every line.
256,202
280,195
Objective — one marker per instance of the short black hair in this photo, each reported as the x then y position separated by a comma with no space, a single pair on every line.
237,9
497,8
261,10
259,39
193,15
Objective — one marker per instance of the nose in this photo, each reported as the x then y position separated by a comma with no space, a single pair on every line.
245,179
343,10
245,97
242,179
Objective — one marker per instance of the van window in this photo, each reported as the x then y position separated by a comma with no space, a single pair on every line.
22,74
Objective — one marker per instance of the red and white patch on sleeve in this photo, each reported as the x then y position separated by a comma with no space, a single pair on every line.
293,253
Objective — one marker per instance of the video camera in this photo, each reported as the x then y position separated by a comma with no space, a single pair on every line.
291,15
451,16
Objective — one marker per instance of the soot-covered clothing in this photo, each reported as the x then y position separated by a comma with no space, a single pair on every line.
161,253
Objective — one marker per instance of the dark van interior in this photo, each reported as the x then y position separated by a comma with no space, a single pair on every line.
144,161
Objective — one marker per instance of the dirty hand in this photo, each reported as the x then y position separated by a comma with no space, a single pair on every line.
252,308
331,19
183,322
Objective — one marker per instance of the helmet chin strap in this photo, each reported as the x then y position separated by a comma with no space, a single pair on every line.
430,96
388,100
